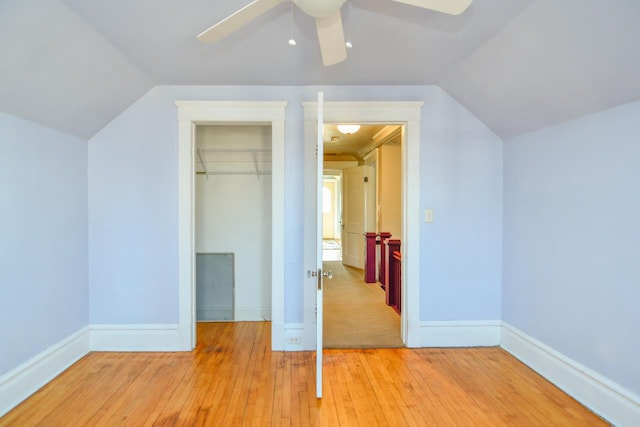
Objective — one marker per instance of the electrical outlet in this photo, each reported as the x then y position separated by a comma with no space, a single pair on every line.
294,340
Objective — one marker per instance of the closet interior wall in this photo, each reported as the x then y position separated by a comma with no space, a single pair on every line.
233,213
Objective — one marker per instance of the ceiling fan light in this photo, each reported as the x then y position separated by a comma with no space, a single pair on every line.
348,129
292,42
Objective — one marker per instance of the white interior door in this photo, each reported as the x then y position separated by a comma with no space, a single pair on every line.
319,272
353,215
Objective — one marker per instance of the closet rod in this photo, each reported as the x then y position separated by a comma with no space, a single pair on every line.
233,173
232,150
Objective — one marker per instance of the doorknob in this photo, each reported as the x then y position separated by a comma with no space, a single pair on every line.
328,274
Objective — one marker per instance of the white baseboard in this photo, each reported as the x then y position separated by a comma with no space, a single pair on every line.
252,314
483,333
219,314
309,332
24,380
611,401
277,336
136,338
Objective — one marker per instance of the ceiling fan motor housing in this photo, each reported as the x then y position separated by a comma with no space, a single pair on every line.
319,8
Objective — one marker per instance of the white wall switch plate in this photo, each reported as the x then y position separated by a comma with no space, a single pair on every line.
428,215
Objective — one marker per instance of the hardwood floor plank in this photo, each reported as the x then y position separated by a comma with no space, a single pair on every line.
391,402
339,402
278,390
233,378
49,398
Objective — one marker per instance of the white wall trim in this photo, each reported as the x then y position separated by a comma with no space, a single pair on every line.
190,114
144,337
252,314
482,333
604,397
24,380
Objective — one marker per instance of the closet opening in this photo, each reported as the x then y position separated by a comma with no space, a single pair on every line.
233,240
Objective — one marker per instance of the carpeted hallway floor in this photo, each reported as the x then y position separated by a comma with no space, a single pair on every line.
355,314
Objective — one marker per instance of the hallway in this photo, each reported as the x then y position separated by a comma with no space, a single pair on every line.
355,313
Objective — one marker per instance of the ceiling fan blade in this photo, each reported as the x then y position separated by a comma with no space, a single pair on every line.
331,38
243,16
450,7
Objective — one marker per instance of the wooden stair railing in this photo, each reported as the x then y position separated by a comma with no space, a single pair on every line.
389,266
370,257
393,274
397,281
383,261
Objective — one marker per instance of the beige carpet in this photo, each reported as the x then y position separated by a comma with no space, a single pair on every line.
355,314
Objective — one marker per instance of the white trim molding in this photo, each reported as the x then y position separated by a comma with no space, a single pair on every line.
144,337
24,380
604,397
191,114
251,314
482,333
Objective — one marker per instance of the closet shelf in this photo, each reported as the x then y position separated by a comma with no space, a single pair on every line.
234,161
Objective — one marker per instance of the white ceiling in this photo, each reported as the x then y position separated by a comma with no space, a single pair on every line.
519,65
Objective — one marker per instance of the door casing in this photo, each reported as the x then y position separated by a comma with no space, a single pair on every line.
191,114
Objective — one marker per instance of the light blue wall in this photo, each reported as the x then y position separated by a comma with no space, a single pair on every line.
43,239
133,204
571,240
133,216
461,260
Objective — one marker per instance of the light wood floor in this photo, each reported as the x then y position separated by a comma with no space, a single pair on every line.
232,378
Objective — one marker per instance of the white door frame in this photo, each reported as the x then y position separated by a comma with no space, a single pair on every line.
190,114
404,113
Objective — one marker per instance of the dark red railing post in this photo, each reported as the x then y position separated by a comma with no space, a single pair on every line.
397,280
391,289
370,258
384,260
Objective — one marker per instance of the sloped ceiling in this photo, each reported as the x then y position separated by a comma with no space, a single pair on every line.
55,69
519,65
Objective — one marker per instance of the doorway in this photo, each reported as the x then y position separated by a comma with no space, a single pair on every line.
355,312
408,114
331,215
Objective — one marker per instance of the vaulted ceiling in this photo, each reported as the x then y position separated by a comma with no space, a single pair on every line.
518,65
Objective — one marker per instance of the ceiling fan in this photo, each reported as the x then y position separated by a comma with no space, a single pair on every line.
328,21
